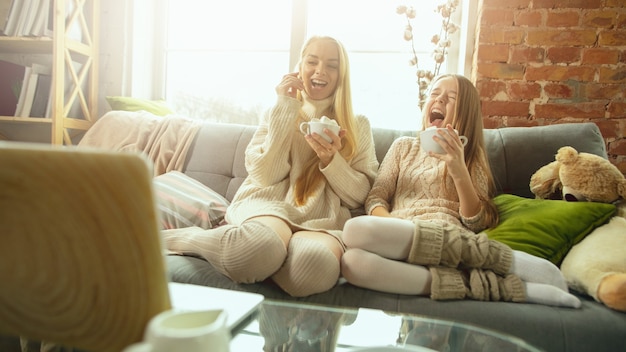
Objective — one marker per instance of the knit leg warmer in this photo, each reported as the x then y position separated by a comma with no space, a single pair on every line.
477,284
447,245
247,253
485,285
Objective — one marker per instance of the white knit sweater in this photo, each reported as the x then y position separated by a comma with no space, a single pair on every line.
275,159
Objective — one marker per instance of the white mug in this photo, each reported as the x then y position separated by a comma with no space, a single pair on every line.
427,143
318,127
189,331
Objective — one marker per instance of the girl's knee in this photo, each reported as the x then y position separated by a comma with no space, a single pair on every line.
354,230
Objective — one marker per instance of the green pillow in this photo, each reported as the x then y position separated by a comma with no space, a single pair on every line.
156,107
546,228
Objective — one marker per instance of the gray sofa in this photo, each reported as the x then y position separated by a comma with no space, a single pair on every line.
216,158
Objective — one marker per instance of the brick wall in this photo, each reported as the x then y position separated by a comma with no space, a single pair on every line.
543,62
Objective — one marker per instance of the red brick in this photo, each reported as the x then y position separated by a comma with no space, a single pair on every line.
497,16
559,4
522,54
605,91
508,4
617,109
609,128
494,53
505,108
612,38
501,71
614,3
559,91
600,56
492,123
572,110
501,36
524,91
563,54
612,75
521,122
617,147
599,19
559,73
563,19
561,38
529,18
490,88
620,22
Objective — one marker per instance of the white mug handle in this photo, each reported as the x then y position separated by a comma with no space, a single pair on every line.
463,140
304,128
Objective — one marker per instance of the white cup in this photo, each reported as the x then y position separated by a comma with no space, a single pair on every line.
189,331
427,143
318,127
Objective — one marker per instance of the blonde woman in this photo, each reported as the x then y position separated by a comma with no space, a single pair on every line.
429,209
286,219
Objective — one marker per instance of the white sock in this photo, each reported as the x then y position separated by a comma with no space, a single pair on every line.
531,268
550,295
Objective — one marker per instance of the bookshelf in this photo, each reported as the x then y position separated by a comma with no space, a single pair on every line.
71,51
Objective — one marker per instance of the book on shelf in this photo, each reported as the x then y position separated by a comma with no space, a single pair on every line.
26,18
5,10
11,20
41,100
35,81
11,78
29,17
42,20
22,17
22,96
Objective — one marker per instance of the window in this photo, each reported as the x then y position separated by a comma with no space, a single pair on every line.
224,58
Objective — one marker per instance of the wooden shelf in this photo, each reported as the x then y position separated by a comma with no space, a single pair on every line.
26,120
74,64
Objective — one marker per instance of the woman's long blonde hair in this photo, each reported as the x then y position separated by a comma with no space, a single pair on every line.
341,111
468,120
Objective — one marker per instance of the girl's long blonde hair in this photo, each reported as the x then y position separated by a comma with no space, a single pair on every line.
468,120
341,111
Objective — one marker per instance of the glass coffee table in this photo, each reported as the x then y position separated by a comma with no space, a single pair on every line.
279,326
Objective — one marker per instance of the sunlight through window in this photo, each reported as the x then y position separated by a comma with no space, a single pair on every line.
223,59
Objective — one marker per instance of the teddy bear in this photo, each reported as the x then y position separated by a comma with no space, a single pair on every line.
597,264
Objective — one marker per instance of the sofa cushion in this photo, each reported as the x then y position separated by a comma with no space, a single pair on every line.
183,202
546,228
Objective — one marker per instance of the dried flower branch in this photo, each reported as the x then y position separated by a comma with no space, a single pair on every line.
441,41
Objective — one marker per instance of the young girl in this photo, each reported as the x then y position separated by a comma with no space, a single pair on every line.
428,210
286,219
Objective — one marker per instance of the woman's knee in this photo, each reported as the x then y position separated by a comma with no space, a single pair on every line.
311,267
252,252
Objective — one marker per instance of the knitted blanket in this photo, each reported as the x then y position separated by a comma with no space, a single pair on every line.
164,140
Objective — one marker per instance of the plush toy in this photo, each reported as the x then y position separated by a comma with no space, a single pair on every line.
596,265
